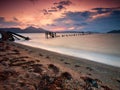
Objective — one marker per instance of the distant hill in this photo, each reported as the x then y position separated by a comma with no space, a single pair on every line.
34,30
26,30
114,31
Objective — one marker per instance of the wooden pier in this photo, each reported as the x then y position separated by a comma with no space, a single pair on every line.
49,34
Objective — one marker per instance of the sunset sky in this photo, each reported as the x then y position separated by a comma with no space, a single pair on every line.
56,15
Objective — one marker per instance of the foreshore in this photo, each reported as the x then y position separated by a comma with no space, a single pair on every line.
28,68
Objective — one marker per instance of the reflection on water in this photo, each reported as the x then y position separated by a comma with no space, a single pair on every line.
97,47
0,36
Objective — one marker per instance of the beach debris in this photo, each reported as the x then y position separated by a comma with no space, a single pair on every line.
4,59
21,63
23,57
106,87
66,75
54,68
118,81
5,74
89,74
37,65
56,82
15,50
37,60
11,36
40,54
90,82
61,59
13,53
66,63
37,68
47,57
90,69
77,66
51,83
44,82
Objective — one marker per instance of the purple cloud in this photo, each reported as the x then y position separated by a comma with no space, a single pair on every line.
61,5
3,22
57,6
86,20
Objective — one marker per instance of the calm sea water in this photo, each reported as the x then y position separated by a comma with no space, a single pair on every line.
0,35
103,48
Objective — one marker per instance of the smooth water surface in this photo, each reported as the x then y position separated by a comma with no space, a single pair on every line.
104,48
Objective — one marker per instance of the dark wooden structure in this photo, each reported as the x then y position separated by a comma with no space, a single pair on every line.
11,36
49,34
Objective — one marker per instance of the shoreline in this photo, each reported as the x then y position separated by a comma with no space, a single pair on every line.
57,53
101,57
107,77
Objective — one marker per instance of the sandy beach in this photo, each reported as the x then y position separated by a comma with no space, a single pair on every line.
27,68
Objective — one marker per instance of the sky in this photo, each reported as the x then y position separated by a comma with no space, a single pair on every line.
60,15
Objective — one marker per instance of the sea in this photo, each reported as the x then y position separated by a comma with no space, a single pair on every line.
102,48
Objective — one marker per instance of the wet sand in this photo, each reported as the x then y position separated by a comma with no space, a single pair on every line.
27,68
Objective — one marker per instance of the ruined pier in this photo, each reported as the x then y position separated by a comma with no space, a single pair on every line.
11,36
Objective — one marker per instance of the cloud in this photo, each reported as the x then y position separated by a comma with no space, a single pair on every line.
81,24
96,17
116,13
102,10
49,11
72,20
104,19
57,6
51,25
45,12
15,19
64,2
78,16
105,12
61,5
4,23
52,10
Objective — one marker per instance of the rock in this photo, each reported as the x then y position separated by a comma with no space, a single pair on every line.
34,76
66,75
106,87
22,83
77,66
90,69
5,74
54,68
90,82
66,63
118,81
